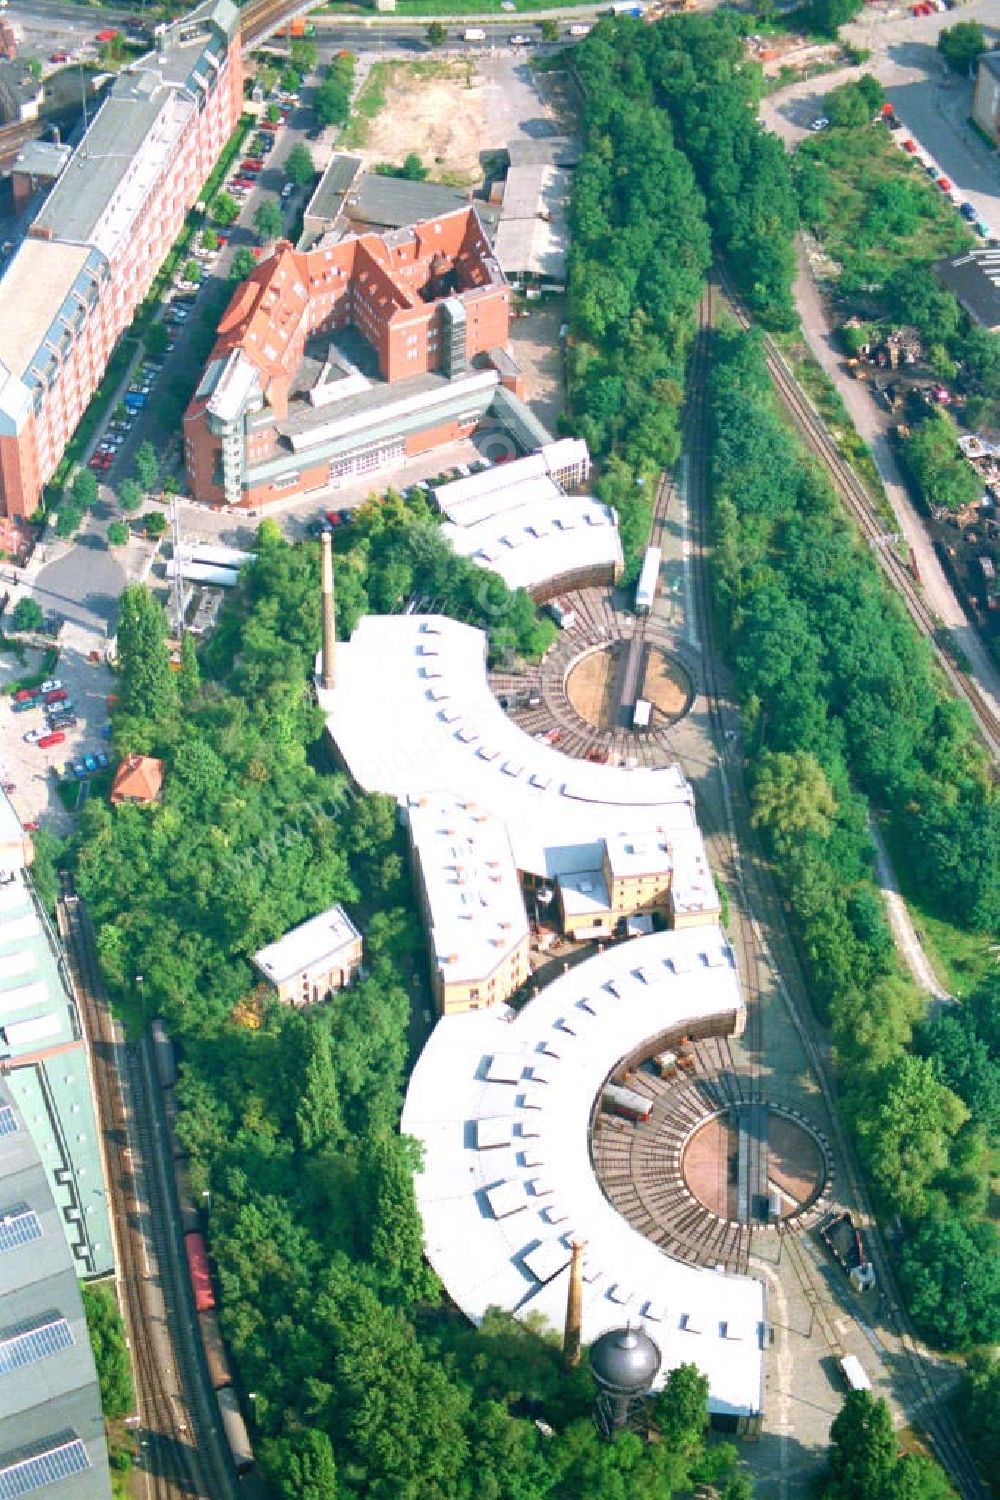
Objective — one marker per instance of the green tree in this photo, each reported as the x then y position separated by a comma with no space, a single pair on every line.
147,466
828,16
68,520
118,534
33,65
792,797
209,239
156,338
192,271
148,687
394,1229
267,219
304,55
862,1454
84,489
942,472
961,45
28,615
155,522
242,265
437,34
951,1272
300,1466
130,495
853,104
976,1405
317,1114
107,1339
273,114
681,1411
225,209
299,166
907,1130
549,30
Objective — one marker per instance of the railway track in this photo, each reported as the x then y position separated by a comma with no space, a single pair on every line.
154,1295
855,496
760,902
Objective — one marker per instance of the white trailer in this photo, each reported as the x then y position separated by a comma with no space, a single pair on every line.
854,1373
474,34
643,713
645,590
225,578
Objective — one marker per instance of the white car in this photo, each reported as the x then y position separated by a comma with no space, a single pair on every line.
288,190
52,685
820,124
34,735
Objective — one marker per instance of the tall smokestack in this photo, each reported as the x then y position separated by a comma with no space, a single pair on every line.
574,1307
329,637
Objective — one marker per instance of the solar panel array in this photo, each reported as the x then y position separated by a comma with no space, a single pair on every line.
26,1346
8,1120
35,1473
19,1229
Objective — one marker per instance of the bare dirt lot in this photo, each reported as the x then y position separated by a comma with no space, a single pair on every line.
454,112
435,108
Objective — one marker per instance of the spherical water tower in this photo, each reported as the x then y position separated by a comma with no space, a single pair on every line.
624,1362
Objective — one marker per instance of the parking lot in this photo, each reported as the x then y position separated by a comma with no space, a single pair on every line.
32,769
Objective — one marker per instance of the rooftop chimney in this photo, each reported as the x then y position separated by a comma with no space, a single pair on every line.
329,635
574,1307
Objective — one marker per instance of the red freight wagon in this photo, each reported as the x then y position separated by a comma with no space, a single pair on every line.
201,1281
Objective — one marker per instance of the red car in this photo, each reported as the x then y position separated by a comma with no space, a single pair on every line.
59,57
910,146
57,695
944,184
253,164
48,740
24,695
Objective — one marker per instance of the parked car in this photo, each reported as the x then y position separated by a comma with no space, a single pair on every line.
63,721
820,124
50,685
54,737
90,761
59,57
287,190
944,183
102,758
22,705
79,769
969,210
23,695
59,709
909,145
55,695
33,736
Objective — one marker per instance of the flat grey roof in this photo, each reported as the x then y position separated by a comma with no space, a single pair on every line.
975,280
392,202
546,150
341,172
32,291
42,158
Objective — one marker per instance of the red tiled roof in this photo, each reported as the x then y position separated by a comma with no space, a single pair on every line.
139,778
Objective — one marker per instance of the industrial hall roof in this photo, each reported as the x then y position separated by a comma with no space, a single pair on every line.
501,1103
50,1411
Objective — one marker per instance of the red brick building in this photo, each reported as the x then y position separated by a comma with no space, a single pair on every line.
282,408
102,233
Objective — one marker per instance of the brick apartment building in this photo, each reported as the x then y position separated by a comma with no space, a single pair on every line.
344,358
102,233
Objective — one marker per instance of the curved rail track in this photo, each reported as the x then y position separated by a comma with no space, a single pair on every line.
181,1456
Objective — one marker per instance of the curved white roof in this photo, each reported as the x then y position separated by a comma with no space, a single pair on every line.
412,712
535,542
502,1105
